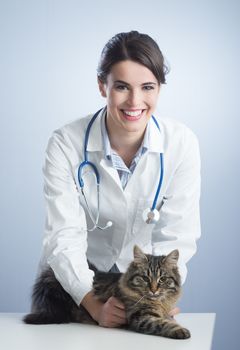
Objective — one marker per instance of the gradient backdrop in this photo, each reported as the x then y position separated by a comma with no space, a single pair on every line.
49,51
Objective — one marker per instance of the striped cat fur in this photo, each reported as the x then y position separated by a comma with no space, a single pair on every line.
149,289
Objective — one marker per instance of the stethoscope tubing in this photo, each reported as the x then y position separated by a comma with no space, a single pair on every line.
161,172
96,172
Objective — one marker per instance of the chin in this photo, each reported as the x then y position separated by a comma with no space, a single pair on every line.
135,126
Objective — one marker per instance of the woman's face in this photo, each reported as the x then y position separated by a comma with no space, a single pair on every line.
132,92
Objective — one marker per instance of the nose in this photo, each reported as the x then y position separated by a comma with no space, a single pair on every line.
154,288
134,98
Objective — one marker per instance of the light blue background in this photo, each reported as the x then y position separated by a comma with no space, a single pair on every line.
49,51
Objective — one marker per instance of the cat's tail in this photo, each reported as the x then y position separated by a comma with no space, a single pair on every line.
42,318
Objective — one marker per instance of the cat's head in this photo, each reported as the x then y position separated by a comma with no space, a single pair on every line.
154,277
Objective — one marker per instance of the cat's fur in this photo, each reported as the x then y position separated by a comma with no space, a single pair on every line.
149,289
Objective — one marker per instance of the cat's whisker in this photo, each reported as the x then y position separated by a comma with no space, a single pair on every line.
138,300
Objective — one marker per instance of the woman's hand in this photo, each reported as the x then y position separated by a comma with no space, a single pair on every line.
112,314
174,312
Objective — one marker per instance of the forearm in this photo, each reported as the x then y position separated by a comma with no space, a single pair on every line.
65,242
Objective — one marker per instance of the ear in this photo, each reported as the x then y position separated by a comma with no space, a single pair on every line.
102,88
138,254
172,258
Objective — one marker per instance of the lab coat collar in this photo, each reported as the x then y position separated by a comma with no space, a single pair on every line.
95,142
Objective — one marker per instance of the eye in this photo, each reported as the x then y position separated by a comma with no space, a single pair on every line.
139,280
148,87
121,87
145,278
162,279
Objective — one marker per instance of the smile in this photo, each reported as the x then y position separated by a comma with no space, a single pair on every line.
132,115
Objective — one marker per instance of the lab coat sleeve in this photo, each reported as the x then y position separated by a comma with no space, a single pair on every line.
179,225
65,241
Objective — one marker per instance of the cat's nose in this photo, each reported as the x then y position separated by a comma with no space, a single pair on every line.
154,288
153,294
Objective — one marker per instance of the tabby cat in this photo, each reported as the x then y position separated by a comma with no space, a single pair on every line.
149,289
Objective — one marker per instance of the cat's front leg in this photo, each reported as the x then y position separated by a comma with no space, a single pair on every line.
171,329
153,324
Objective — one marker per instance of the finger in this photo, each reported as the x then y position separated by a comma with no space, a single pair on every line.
119,312
120,306
174,311
114,322
119,315
119,320
114,325
117,303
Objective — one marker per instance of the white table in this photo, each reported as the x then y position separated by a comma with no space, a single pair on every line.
15,335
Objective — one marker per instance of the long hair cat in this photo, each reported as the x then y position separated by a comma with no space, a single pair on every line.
149,290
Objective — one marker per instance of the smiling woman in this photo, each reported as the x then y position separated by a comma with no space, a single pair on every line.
130,72
132,92
123,145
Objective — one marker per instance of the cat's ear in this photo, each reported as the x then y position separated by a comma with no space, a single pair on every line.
138,254
172,258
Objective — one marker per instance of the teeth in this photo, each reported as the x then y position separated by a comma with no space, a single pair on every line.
133,113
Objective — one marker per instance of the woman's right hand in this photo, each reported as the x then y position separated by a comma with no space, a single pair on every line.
112,314
109,314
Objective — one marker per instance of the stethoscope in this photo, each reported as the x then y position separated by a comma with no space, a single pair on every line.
150,215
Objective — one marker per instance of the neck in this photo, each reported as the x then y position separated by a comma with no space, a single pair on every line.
123,141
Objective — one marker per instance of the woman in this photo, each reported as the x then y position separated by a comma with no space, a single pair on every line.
130,151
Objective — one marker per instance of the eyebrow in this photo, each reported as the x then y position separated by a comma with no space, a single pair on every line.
124,82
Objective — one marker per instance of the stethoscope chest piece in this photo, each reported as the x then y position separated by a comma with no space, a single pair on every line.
151,216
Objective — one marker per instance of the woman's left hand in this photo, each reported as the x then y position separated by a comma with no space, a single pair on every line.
174,312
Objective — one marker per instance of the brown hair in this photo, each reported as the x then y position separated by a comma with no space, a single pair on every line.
134,46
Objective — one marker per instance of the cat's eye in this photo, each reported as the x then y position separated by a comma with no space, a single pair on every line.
139,280
145,278
162,279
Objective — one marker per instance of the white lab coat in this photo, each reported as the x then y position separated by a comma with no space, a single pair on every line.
67,245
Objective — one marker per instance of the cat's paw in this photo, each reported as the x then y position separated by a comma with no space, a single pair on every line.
181,333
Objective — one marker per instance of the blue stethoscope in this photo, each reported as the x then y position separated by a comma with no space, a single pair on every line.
150,215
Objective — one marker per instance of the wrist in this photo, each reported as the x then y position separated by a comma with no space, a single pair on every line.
92,305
